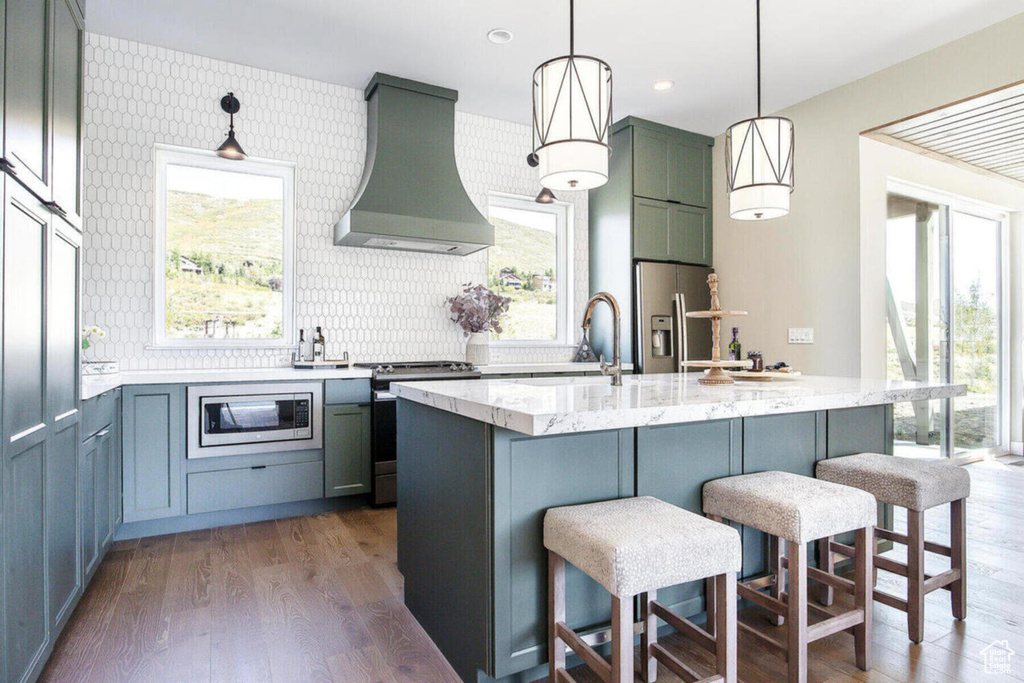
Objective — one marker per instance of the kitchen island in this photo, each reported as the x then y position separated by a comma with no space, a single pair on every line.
481,461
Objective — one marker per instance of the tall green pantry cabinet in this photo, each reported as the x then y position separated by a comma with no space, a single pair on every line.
656,206
42,579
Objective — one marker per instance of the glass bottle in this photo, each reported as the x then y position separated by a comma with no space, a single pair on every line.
318,345
734,345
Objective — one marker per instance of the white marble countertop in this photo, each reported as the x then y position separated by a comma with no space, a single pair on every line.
94,385
528,368
562,405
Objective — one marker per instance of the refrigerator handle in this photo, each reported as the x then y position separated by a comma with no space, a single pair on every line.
683,352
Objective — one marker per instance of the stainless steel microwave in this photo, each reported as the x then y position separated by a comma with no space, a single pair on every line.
240,419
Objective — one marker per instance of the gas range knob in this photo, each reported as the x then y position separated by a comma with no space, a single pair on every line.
453,367
465,368
389,369
379,368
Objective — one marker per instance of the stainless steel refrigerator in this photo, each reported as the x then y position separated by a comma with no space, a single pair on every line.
664,336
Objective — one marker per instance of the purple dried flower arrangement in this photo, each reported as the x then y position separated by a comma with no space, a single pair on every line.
478,309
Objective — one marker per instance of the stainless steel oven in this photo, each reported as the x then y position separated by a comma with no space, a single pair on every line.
239,419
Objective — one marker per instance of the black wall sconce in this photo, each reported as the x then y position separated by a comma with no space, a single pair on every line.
230,149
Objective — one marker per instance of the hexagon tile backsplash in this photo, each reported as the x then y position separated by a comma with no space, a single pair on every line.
377,305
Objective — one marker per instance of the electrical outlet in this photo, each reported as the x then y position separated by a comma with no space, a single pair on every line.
801,335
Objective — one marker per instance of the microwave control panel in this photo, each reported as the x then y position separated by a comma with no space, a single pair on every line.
302,429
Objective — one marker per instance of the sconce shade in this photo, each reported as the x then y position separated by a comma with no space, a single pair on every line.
230,149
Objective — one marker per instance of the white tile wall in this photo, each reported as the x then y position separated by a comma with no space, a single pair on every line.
378,305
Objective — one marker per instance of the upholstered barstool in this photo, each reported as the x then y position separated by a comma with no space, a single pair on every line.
916,485
633,547
794,510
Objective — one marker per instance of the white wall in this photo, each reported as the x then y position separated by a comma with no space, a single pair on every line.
880,162
804,270
375,304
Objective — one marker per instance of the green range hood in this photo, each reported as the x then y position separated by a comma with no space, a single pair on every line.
411,197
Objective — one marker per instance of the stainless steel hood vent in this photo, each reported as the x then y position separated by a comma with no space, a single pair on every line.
411,197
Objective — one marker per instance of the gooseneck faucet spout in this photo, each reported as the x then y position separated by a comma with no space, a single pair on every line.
615,368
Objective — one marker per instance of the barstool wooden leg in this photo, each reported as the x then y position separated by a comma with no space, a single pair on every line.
796,554
710,605
915,575
776,549
826,563
863,595
725,627
648,664
958,555
556,613
622,640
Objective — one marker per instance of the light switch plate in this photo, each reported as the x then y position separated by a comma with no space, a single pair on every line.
801,335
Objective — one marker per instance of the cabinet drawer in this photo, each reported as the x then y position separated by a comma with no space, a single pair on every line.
231,489
98,412
339,391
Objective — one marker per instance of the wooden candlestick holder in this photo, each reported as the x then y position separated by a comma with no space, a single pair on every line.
716,374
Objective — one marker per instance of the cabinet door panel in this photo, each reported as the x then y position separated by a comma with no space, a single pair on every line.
24,290
688,235
87,498
116,464
347,465
651,164
62,520
689,173
67,107
651,223
26,100
101,487
62,342
153,451
24,544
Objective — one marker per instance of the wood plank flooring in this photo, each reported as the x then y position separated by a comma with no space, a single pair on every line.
319,598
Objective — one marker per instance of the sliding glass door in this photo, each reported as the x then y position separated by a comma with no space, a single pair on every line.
944,314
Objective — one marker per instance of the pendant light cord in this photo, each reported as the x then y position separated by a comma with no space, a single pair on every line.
758,58
572,27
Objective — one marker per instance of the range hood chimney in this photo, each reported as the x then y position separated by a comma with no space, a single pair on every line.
411,197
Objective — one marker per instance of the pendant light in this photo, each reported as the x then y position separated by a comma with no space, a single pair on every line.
572,113
759,160
546,196
230,149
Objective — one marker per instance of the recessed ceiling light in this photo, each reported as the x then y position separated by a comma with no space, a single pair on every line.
663,84
499,36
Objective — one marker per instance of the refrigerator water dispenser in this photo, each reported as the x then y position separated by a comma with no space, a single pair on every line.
661,335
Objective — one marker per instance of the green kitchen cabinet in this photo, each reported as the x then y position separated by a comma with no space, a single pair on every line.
656,206
663,231
671,165
348,467
27,80
99,479
153,448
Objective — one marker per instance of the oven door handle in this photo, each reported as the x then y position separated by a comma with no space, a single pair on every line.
382,396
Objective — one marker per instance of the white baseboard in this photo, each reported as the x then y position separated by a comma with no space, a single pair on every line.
1017,447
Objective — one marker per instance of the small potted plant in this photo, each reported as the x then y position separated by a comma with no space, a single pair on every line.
90,336
478,310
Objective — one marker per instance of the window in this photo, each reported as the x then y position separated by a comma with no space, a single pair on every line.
224,242
946,314
531,263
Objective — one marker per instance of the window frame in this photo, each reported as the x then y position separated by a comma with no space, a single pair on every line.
564,213
166,155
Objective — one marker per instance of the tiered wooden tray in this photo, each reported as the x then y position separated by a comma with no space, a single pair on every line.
716,366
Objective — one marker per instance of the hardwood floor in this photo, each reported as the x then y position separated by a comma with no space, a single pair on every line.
320,599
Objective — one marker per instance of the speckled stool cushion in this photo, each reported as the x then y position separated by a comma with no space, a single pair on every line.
636,545
909,483
796,508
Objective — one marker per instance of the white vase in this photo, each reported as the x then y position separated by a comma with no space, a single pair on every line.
478,349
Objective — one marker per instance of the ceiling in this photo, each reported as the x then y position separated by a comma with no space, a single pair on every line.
707,48
985,131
